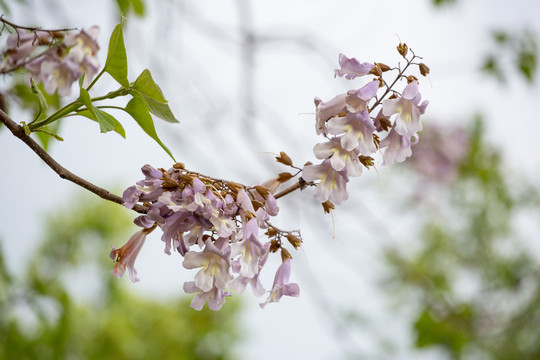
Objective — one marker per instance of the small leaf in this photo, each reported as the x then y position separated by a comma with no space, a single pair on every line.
139,111
42,102
118,128
148,87
152,96
116,63
105,122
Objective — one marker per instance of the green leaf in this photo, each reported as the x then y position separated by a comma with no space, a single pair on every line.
41,99
140,112
106,124
118,128
116,63
149,92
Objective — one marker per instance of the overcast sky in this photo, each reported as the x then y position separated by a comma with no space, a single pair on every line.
194,50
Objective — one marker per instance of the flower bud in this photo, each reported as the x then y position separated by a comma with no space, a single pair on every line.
284,176
264,192
424,69
270,232
383,67
285,254
327,206
284,159
274,246
295,241
402,49
367,161
179,166
376,70
411,78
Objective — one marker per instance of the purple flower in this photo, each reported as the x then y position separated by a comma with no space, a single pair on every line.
339,158
358,129
240,282
352,68
357,100
408,120
327,110
214,296
249,249
126,255
215,265
399,147
281,285
333,183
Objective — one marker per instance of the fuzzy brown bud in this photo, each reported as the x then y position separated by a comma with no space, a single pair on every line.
285,254
257,204
424,69
393,96
308,163
383,67
367,161
264,192
274,246
284,159
411,78
376,70
295,241
328,206
386,124
376,140
270,232
179,166
402,49
284,176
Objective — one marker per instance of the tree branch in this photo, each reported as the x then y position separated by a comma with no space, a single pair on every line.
61,171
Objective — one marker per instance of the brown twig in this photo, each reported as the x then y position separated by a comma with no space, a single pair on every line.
18,131
301,184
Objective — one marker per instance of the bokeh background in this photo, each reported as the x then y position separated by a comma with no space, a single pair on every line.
435,259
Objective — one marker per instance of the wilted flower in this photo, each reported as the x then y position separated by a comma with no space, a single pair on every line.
127,254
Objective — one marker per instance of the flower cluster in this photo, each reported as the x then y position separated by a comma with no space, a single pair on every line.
54,59
214,224
355,139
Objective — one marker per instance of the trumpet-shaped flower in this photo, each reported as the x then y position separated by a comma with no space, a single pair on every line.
408,120
339,157
127,254
281,285
214,296
358,132
351,68
333,183
215,265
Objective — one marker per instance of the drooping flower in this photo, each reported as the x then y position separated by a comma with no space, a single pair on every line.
240,282
351,68
357,100
327,110
214,296
125,256
339,157
215,263
250,250
358,132
408,119
281,285
398,147
333,183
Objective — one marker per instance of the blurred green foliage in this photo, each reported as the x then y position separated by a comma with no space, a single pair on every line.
44,316
127,6
475,281
519,49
